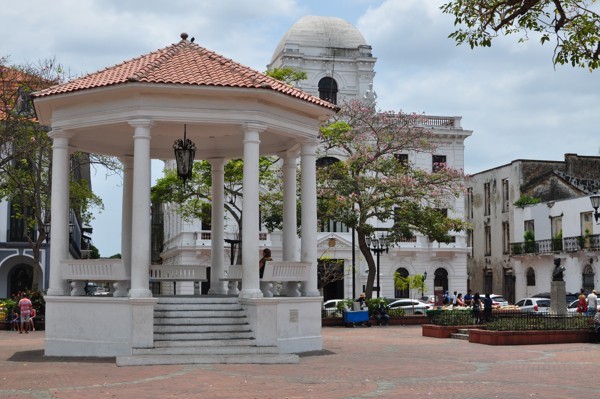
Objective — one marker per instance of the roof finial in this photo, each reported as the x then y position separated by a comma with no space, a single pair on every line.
184,36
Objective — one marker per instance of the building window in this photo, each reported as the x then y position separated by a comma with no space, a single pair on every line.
470,202
328,90
530,277
529,225
486,199
402,158
326,161
331,226
587,226
505,199
438,162
588,278
505,238
488,240
405,293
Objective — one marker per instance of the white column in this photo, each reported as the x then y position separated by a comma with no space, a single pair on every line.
140,241
217,264
290,224
59,211
250,225
309,215
126,216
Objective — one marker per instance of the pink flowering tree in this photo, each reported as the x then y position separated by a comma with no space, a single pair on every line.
373,182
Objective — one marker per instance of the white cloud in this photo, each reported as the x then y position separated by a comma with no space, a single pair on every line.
510,95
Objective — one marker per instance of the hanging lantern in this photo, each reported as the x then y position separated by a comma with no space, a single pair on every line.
185,150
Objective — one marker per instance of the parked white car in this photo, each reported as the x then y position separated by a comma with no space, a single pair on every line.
410,306
536,305
330,306
498,300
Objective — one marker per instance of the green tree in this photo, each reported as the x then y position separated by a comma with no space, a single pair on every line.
26,162
572,24
193,198
411,282
371,183
288,75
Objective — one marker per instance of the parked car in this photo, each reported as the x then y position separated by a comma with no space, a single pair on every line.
330,306
572,307
427,299
536,305
569,296
411,306
498,300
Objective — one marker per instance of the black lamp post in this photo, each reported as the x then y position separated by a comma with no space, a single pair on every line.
185,150
423,286
378,246
595,199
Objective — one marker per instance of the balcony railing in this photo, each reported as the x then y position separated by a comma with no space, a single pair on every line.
566,244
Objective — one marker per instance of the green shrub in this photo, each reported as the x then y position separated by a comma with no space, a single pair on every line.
526,200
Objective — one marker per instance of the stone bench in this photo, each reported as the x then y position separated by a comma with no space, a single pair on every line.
80,271
178,273
275,272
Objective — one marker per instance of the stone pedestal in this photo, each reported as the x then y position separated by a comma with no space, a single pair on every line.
558,304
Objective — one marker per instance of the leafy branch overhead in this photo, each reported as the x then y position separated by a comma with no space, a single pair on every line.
573,25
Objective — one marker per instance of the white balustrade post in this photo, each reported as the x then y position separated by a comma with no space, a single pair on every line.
290,224
309,215
250,230
140,241
217,287
126,217
59,211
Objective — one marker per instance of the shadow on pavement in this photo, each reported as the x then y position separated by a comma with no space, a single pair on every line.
37,356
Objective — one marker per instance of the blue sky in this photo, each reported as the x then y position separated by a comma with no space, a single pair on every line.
517,104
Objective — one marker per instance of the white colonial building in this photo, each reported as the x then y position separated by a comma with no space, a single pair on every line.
340,66
563,229
498,225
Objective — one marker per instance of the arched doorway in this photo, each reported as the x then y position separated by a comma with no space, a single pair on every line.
405,292
441,279
20,278
588,278
328,90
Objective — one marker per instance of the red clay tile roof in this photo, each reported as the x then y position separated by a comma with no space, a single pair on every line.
183,63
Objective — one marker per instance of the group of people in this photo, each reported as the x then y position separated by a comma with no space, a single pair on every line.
457,299
23,321
587,305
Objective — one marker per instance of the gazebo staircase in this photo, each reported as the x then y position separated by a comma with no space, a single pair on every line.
203,330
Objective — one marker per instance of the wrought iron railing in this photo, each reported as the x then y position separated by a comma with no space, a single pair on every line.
566,244
510,320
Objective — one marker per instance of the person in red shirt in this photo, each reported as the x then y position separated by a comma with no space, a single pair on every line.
25,311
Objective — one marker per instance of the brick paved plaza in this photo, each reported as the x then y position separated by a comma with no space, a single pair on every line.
376,362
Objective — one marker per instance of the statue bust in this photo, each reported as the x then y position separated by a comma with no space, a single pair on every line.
557,273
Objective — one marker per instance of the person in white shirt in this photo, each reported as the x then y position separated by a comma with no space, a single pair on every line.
592,301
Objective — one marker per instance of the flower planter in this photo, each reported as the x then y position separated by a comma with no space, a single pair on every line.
435,331
528,337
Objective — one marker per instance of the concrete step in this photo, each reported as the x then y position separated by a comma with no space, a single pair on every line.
208,350
198,299
460,336
199,313
201,328
188,336
147,360
198,307
180,321
205,342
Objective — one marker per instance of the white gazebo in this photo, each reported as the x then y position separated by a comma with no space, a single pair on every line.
135,111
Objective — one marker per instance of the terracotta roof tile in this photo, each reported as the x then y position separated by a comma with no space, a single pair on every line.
183,63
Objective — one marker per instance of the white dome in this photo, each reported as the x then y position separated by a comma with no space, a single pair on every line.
323,32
